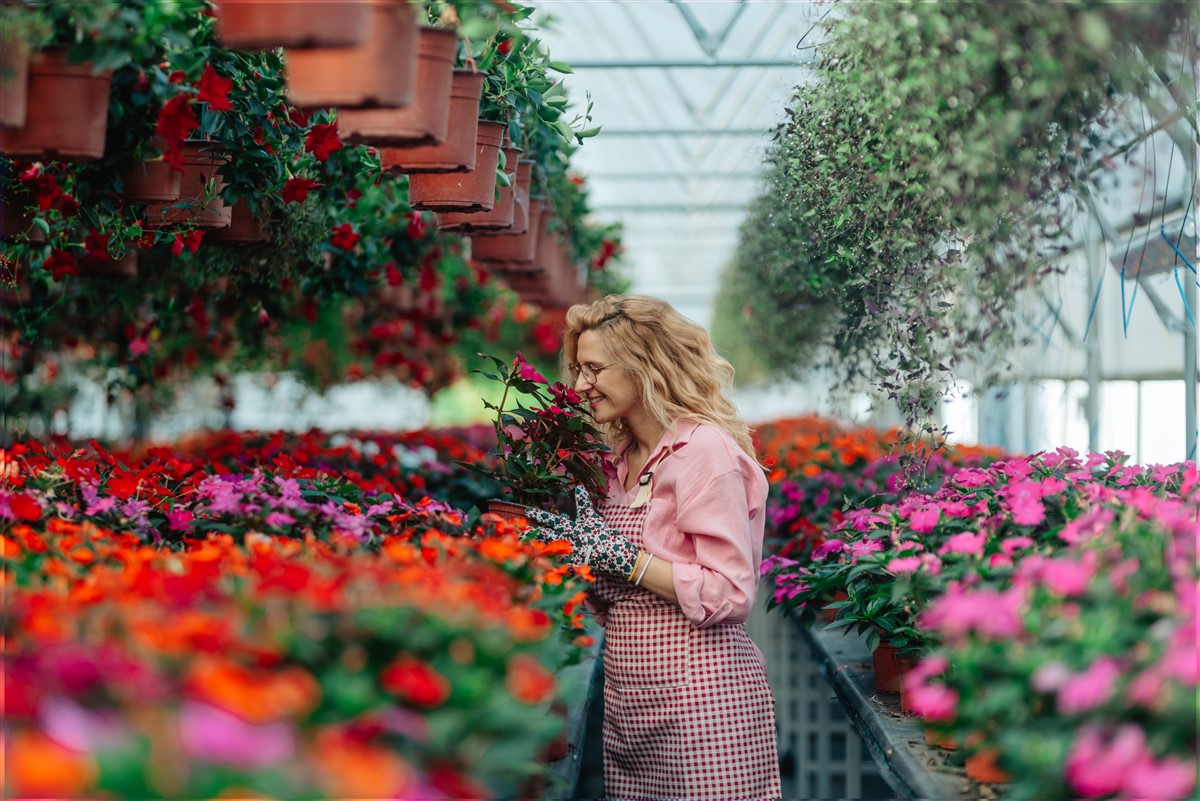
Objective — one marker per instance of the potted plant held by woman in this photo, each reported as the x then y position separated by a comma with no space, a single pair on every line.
545,443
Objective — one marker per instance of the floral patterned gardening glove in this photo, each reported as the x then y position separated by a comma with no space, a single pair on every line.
595,543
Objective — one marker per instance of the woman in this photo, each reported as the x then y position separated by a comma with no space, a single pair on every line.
676,547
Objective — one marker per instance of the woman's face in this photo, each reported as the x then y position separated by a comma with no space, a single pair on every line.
612,395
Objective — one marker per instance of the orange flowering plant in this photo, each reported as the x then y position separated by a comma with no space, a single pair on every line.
158,644
545,448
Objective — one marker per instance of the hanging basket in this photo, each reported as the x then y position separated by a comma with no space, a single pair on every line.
267,24
66,112
378,72
425,121
500,218
243,228
463,191
153,182
510,250
200,202
457,153
14,81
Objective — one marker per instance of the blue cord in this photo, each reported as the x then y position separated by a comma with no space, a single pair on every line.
1127,314
1162,229
1095,300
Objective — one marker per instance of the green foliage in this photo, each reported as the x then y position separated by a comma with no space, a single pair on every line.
927,176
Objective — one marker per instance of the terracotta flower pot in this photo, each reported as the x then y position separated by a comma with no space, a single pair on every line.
510,249
474,190
829,615
500,218
945,742
243,226
889,668
982,767
14,82
457,153
425,121
378,72
506,510
200,202
67,110
153,182
267,24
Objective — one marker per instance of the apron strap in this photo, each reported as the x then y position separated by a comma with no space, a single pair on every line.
646,481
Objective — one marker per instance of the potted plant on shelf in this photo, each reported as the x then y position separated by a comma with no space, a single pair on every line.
543,449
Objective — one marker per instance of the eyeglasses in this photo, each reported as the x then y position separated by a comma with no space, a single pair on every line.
589,372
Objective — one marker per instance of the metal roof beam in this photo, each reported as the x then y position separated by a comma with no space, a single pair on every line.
690,64
627,132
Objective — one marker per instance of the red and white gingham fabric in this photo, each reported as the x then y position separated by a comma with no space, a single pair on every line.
688,713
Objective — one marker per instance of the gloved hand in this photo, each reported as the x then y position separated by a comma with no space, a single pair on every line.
595,543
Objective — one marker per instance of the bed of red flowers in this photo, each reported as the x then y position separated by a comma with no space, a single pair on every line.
256,621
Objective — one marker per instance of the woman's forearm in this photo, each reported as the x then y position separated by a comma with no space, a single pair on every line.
657,576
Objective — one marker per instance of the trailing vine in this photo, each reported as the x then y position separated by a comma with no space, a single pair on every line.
930,173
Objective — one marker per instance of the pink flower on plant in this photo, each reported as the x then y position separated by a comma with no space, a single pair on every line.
1050,676
139,346
1089,689
904,564
865,546
1016,468
527,371
1024,500
965,542
1094,460
1166,778
1011,545
179,519
923,520
828,547
934,702
1097,765
212,735
1067,577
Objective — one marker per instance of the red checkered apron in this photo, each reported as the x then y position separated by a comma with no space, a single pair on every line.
687,711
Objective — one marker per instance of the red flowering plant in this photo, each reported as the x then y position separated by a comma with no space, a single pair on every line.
545,445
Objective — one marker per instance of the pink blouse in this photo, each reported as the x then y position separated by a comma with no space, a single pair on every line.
706,515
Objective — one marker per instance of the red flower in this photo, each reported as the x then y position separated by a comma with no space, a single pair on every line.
528,681
416,225
322,140
61,263
176,120
429,278
188,239
394,276
95,248
344,237
214,90
505,47
24,507
297,189
352,196
415,681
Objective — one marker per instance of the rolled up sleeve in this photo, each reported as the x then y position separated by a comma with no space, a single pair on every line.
725,525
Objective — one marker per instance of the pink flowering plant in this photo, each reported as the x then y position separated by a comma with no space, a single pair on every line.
894,560
546,443
1083,671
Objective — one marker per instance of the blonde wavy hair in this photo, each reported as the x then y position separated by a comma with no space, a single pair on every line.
671,360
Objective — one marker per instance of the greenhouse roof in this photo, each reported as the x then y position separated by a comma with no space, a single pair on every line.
688,93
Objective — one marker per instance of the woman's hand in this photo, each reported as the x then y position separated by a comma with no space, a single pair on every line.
595,544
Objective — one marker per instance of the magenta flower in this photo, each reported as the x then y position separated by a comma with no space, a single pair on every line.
210,734
84,731
1024,501
1097,765
1066,577
280,519
1050,676
179,519
965,542
1011,545
1166,778
527,371
1089,689
923,520
934,702
904,564
828,547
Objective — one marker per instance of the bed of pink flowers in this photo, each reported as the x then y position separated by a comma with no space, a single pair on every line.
1053,598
